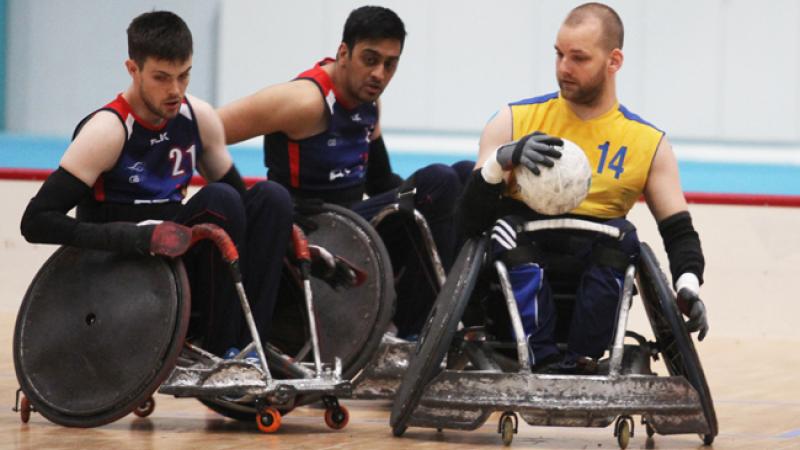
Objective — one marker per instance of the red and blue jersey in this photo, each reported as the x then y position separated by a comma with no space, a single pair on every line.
156,163
329,162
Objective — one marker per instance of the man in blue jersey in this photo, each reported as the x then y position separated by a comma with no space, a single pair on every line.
132,160
323,141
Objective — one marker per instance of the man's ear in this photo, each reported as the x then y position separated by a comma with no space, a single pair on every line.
131,67
616,59
343,52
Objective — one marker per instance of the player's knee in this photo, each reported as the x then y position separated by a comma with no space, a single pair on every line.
630,241
223,200
464,170
273,199
437,184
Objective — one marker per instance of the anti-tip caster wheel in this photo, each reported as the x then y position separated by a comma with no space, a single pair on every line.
337,418
623,431
146,408
507,427
268,419
24,409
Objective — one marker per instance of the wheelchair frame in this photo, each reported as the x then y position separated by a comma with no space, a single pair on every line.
464,399
201,374
382,376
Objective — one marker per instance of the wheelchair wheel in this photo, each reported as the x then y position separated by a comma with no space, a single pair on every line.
674,341
97,333
437,334
352,321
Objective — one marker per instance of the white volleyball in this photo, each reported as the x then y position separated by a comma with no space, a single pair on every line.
558,189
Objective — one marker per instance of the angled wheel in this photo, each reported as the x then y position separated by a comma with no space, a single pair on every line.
674,341
97,333
268,420
437,334
337,418
146,408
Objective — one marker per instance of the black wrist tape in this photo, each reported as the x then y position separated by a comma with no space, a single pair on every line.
682,244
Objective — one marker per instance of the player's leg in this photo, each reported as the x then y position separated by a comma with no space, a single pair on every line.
216,314
268,208
593,320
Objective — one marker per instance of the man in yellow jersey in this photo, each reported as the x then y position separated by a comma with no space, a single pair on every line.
629,158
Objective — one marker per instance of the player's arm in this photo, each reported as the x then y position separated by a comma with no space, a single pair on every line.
380,177
478,204
665,199
497,155
216,163
94,150
295,108
667,203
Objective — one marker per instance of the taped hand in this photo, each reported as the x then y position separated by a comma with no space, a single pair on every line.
691,305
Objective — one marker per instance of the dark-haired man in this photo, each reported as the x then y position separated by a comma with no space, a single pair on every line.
323,140
132,161
629,158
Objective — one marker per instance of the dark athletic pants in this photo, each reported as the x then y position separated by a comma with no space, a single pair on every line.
260,226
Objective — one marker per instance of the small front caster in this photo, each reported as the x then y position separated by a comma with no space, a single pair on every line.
337,418
623,430
146,408
268,419
507,427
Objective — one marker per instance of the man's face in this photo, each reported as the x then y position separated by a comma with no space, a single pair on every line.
161,84
582,64
368,67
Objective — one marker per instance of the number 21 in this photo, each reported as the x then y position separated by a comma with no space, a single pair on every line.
176,155
616,163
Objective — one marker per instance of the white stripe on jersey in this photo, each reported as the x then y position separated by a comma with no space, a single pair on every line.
185,111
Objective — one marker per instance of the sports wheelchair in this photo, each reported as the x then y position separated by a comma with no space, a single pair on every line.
480,378
89,352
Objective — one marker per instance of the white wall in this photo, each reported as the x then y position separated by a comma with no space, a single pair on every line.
66,58
716,69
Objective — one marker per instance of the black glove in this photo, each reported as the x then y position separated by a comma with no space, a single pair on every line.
691,305
532,151
334,270
304,209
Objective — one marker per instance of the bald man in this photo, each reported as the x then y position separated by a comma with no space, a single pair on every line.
629,157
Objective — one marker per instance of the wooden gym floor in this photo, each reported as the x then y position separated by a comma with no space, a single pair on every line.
751,359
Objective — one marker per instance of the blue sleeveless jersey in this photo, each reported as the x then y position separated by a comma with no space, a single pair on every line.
156,163
333,160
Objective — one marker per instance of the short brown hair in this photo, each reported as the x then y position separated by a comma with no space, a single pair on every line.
161,35
613,31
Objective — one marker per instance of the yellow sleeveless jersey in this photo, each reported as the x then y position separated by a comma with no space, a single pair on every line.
619,145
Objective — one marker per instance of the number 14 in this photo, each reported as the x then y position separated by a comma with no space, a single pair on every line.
616,163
